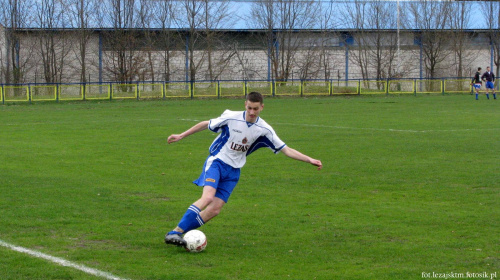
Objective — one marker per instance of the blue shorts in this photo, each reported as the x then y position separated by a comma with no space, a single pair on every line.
477,86
220,176
490,85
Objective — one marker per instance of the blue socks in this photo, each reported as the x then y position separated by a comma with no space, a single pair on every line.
487,96
191,220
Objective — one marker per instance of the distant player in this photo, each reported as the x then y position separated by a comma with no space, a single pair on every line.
489,77
476,82
241,133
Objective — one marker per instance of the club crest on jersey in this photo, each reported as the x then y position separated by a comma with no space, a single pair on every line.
244,141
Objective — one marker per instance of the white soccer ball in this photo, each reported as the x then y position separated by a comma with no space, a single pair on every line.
196,241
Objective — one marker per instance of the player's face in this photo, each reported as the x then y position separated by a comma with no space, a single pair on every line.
253,110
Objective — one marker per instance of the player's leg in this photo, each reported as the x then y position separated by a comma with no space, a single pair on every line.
224,190
209,179
488,90
476,87
191,218
212,209
206,198
216,192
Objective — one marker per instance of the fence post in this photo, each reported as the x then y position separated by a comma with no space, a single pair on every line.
137,90
387,87
218,89
359,87
415,87
442,86
301,87
3,95
273,87
191,89
110,91
245,89
163,90
29,93
83,87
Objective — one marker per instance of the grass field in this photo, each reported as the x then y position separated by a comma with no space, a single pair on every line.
410,186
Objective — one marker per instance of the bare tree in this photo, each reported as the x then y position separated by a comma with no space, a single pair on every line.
163,17
216,16
491,11
194,15
355,13
15,17
53,46
282,19
328,23
376,50
145,14
384,45
461,41
124,61
430,17
80,18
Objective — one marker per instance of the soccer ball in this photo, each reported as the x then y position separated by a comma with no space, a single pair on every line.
196,241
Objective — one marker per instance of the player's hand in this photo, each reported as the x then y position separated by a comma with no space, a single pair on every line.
174,138
317,163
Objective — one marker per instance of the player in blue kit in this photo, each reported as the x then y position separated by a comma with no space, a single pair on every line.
241,133
476,82
489,78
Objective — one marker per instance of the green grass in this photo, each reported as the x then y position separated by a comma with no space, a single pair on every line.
409,185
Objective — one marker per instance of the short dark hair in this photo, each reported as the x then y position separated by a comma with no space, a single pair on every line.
255,97
478,68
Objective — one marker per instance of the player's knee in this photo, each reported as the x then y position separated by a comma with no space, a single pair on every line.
207,200
215,211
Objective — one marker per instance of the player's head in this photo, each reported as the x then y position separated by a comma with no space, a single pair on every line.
478,68
253,106
255,97
488,69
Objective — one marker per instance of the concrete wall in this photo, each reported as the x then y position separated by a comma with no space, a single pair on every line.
233,63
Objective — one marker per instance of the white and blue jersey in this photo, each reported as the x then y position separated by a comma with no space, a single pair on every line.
239,138
228,153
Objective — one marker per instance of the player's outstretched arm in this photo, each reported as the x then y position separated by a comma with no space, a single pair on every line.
196,128
292,153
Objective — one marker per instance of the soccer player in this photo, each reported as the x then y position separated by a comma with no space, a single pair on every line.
476,82
489,77
241,133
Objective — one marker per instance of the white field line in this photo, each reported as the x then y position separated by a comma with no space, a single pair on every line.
390,129
371,128
60,261
303,125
